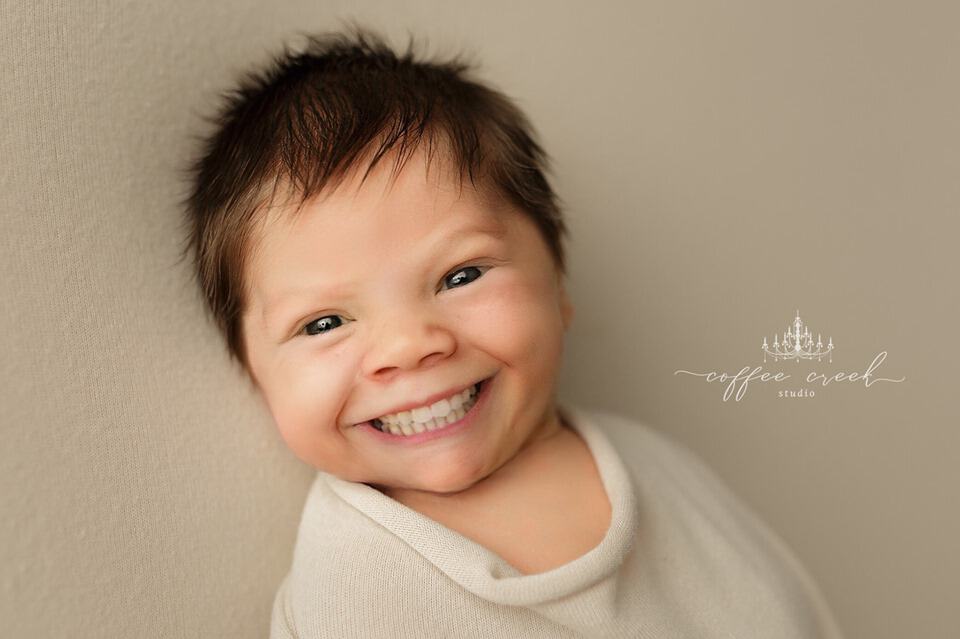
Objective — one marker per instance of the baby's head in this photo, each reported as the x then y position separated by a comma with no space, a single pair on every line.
364,283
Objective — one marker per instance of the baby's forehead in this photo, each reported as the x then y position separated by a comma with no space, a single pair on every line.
417,205
347,220
426,201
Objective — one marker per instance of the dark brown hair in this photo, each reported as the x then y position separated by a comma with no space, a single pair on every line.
309,118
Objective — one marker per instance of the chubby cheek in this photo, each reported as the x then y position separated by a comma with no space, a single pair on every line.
306,397
517,320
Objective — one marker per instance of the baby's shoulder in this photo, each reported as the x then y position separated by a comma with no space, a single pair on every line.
677,478
343,562
335,541
685,492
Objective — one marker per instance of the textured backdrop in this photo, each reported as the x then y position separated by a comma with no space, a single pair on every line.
723,165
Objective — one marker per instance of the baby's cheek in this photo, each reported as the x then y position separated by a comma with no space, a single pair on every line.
518,319
317,383
325,365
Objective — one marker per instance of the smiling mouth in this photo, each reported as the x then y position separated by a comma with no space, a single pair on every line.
414,427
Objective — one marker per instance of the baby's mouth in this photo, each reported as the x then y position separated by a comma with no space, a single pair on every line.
430,418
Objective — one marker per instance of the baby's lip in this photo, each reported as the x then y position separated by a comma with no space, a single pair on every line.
399,408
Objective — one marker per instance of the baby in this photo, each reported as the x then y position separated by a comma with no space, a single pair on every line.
375,237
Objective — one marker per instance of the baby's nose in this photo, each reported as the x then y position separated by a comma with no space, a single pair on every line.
408,345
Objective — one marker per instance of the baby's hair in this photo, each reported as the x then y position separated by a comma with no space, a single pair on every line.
306,121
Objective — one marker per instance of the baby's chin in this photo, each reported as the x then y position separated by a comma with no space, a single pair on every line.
446,486
446,476
447,489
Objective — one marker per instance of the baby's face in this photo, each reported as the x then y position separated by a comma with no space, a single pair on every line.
376,300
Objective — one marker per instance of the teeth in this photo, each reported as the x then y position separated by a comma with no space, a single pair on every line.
436,412
441,408
398,426
422,415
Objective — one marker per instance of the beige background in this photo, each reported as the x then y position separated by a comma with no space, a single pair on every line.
723,165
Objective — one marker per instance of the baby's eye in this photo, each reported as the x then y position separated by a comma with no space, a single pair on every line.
457,278
322,325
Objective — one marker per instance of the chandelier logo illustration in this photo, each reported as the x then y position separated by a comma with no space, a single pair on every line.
796,343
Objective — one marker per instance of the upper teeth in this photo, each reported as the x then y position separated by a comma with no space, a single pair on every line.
424,414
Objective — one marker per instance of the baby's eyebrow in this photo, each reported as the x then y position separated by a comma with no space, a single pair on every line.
272,307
